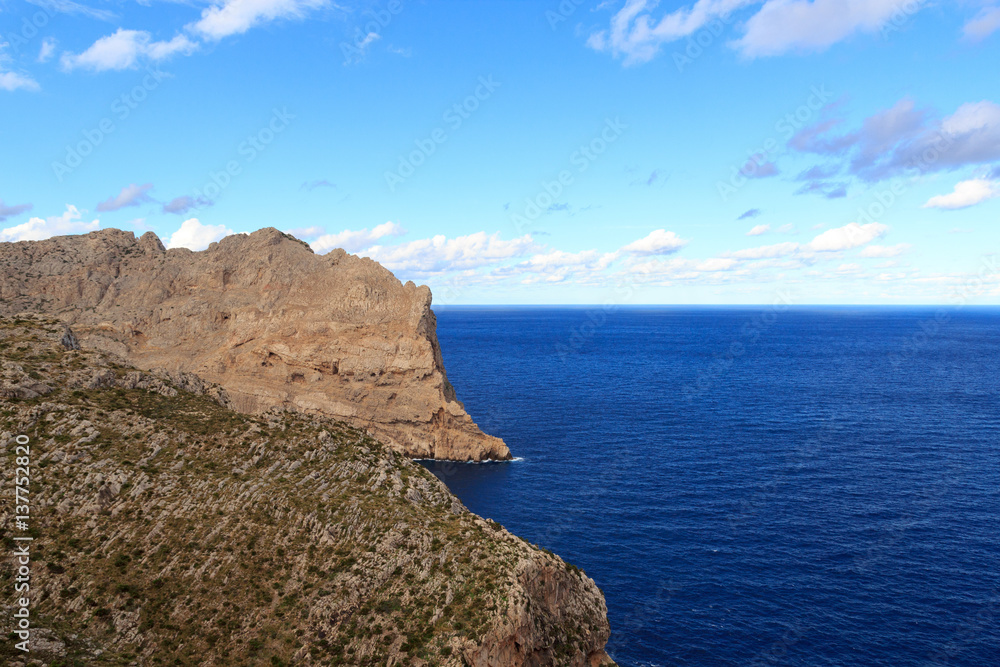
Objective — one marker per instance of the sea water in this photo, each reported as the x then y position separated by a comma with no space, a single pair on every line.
750,486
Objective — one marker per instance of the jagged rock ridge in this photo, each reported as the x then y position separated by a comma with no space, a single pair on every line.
264,317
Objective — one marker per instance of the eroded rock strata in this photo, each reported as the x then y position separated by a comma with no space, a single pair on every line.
170,529
264,317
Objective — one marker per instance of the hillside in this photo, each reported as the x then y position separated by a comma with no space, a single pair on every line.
170,529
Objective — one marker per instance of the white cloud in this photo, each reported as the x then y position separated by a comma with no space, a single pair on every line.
849,236
70,7
477,251
985,24
131,195
967,193
488,259
37,229
443,254
716,264
803,25
560,258
973,117
557,265
779,26
124,50
369,39
884,251
12,81
636,36
905,138
764,252
162,50
759,229
714,270
357,51
196,236
48,50
231,17
352,240
658,242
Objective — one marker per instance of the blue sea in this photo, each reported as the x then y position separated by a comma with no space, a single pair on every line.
750,486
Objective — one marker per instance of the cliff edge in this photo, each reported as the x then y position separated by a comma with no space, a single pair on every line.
264,317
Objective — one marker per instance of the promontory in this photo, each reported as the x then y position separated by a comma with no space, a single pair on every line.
262,315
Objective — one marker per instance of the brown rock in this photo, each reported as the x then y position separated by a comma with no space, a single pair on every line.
549,598
264,317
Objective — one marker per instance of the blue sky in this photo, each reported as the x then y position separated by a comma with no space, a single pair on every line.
717,151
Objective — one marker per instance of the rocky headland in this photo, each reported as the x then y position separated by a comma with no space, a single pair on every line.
274,324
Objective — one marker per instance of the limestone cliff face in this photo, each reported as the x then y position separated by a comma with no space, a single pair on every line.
263,316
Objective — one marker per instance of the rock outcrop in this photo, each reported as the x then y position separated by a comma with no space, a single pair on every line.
264,317
170,529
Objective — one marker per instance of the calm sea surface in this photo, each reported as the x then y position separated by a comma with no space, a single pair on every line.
750,487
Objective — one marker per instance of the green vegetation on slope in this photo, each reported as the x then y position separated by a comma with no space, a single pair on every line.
171,530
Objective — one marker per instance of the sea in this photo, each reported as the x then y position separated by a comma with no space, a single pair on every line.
750,485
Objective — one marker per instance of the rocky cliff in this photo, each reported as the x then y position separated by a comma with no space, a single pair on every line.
169,529
264,317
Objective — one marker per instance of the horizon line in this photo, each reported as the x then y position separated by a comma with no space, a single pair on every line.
715,305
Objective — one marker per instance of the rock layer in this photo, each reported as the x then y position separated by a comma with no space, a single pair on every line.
264,317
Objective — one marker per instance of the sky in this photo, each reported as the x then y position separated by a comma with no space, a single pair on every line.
573,152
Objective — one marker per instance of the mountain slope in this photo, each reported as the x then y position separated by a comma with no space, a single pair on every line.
170,529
